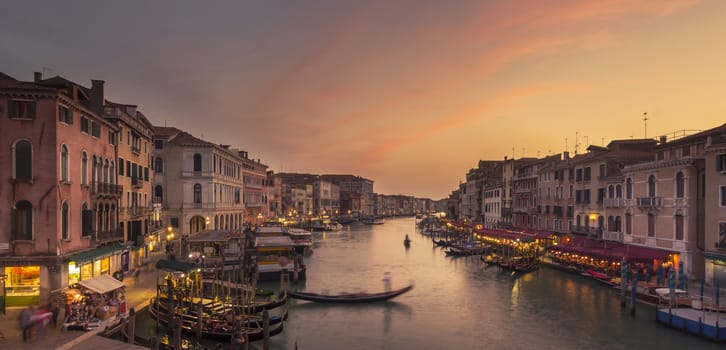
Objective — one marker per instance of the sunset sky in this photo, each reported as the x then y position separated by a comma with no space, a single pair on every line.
410,94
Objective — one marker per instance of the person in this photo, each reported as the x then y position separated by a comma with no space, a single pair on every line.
387,281
26,322
407,237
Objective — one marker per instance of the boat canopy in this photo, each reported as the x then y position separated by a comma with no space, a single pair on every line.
102,284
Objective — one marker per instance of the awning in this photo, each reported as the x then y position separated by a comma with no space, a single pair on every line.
102,284
176,266
89,255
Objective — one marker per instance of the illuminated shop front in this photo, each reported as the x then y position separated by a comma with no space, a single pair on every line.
22,285
92,263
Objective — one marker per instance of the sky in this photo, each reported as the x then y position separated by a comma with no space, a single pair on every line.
409,94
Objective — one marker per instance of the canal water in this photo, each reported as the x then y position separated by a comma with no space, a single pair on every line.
456,302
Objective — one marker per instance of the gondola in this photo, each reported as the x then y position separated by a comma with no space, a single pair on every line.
212,307
601,277
441,243
220,330
349,298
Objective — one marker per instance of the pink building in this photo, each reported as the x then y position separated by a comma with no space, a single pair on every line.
58,194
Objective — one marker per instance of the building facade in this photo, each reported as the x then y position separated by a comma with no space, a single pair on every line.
61,198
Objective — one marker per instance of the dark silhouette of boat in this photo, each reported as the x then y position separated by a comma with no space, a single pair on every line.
349,298
218,329
407,242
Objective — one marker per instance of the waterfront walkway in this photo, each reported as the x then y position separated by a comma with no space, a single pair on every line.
139,290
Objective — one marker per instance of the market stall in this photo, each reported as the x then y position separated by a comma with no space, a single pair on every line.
93,302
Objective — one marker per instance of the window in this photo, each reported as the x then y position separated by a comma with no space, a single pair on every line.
680,185
84,169
64,163
23,161
95,129
197,162
21,223
721,162
661,155
86,221
158,144
111,174
146,174
587,174
158,194
111,137
721,235
65,115
128,168
629,223
159,165
629,188
651,225
680,225
21,109
651,186
579,175
686,151
723,196
85,125
197,193
121,167
602,171
618,191
174,222
65,222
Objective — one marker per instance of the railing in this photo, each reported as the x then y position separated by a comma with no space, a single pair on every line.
613,202
197,173
107,189
110,235
612,236
650,202
136,149
137,182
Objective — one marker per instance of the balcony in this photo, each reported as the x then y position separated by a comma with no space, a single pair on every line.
137,182
109,236
612,236
136,149
650,202
613,202
102,189
197,174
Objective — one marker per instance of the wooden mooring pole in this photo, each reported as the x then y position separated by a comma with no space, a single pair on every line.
266,329
131,330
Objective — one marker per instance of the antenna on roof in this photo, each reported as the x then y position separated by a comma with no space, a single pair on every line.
565,144
645,122
576,143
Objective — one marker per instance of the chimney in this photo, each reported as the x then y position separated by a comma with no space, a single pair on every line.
663,139
37,77
97,96
566,154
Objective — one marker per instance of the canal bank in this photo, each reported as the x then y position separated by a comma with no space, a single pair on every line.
456,302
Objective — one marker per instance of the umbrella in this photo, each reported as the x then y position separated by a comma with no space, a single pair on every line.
718,292
672,285
647,274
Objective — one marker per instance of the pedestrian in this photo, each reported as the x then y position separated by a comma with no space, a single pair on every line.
387,281
26,322
54,312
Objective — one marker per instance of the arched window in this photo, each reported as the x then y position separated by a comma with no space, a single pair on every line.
629,188
197,193
680,185
93,169
197,162
105,171
21,225
611,191
159,165
651,186
680,225
628,223
64,163
618,191
65,222
111,173
23,161
86,221
84,169
158,194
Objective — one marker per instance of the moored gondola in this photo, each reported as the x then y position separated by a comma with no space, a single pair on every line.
215,328
350,298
